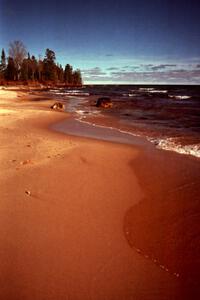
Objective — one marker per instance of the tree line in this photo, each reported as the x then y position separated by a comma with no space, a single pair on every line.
21,66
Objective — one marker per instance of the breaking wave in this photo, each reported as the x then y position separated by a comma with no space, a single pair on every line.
172,144
169,144
180,97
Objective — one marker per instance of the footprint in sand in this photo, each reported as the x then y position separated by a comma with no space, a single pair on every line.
28,192
12,160
26,162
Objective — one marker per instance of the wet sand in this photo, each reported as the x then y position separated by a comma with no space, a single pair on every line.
165,225
67,204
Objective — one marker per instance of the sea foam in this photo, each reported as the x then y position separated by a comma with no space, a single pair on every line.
180,97
171,144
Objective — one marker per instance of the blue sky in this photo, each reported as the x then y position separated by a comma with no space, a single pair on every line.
138,41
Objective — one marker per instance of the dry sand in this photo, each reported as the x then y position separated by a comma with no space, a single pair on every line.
66,211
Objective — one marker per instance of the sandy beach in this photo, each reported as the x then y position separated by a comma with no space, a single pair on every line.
88,219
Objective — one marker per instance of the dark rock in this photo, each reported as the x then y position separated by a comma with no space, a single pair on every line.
104,102
58,106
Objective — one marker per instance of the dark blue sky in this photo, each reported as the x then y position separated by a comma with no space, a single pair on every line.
120,41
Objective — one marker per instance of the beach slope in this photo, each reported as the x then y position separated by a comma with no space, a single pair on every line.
64,213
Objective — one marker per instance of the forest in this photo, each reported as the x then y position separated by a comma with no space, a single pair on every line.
20,66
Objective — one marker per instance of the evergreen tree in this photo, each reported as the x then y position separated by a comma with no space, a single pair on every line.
24,74
60,73
21,65
33,67
11,71
68,74
49,66
40,70
77,78
28,68
50,56
2,65
29,71
3,61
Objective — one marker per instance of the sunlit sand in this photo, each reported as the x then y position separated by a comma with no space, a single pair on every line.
68,206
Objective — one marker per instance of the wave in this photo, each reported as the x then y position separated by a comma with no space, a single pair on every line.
83,113
76,93
55,90
171,144
81,120
158,92
69,92
153,90
130,95
146,89
59,93
180,97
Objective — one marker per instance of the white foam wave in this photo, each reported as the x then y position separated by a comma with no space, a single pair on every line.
153,91
146,89
129,95
54,90
80,112
180,97
83,113
69,92
59,93
171,144
80,119
76,92
158,92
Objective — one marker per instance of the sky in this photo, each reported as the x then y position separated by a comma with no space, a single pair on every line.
112,41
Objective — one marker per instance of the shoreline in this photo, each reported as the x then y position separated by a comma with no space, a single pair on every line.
70,232
124,136
161,137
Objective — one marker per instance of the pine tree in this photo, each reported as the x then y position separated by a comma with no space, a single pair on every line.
33,67
77,78
40,70
60,73
2,64
29,70
68,74
11,71
49,65
21,65
24,70
3,60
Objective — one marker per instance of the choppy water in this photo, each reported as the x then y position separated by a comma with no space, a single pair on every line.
168,116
